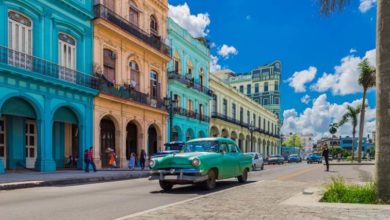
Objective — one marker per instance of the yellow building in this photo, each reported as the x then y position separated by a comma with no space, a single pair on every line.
238,117
130,58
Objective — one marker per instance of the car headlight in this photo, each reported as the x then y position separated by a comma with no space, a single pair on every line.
152,163
195,162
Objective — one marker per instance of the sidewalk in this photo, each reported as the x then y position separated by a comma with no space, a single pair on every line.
26,179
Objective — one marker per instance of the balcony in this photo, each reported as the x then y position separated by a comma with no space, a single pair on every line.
129,94
38,66
191,114
189,82
105,13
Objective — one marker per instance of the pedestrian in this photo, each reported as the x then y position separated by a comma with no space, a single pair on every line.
338,157
143,159
112,159
131,161
86,161
325,154
90,159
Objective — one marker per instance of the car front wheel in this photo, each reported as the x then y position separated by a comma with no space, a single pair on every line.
166,186
211,181
244,177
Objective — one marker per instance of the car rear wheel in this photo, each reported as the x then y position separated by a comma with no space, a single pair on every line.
244,177
211,181
166,186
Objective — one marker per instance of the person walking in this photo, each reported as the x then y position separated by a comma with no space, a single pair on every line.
90,159
143,159
86,161
131,161
325,154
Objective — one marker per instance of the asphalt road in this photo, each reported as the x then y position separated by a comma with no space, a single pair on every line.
116,199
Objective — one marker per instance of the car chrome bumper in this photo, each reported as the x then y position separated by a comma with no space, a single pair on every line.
190,175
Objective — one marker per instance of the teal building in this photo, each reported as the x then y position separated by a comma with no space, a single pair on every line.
46,86
188,76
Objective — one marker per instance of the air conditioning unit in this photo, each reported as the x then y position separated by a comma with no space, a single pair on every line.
153,103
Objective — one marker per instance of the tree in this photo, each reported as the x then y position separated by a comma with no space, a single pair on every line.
382,174
351,115
294,141
366,80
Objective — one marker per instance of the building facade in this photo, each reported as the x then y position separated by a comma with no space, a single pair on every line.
130,57
46,87
236,116
331,142
346,143
188,79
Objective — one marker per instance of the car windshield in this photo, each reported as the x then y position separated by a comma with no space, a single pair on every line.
201,146
174,147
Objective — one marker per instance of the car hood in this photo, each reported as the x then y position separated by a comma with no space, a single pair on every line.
180,160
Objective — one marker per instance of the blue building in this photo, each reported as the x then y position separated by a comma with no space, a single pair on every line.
346,143
46,87
188,77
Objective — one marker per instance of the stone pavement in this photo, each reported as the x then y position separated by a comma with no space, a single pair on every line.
26,179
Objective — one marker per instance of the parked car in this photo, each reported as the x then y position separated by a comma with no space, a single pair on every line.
314,158
294,158
257,160
202,161
170,148
275,159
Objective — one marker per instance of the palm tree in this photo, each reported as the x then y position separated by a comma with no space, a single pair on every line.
366,80
382,174
351,115
333,130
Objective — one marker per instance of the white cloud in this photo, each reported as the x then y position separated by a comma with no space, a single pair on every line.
345,79
299,79
316,119
214,66
306,99
352,50
366,5
196,25
226,51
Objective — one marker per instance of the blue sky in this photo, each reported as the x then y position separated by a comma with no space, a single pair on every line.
309,45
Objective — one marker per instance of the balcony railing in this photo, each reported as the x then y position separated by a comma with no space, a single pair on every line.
191,114
128,93
189,82
103,12
42,67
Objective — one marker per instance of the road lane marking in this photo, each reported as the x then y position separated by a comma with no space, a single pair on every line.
298,173
183,201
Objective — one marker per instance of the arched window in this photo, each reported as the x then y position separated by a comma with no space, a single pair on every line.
133,13
67,56
201,77
176,97
190,105
189,68
134,75
201,111
176,63
153,25
109,58
153,84
20,39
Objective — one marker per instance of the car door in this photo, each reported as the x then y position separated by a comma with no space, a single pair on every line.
225,167
234,157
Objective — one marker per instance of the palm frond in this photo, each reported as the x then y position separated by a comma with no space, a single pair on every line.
367,74
329,6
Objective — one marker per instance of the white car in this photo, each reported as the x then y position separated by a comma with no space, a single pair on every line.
257,160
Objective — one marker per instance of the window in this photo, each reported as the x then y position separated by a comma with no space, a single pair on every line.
276,86
177,100
259,122
189,69
268,126
134,75
201,77
254,120
224,109
265,101
67,57
242,89
256,88
248,116
276,100
266,87
190,105
133,13
214,104
234,111
109,59
153,25
248,89
176,63
110,4
153,84
19,40
201,111
241,115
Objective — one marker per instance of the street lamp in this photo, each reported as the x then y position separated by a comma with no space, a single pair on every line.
251,129
169,103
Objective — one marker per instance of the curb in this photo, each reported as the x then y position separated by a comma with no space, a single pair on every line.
343,164
31,184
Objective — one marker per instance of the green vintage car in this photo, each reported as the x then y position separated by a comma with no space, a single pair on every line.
202,161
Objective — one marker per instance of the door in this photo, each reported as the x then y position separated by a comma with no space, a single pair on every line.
3,148
234,153
31,144
230,160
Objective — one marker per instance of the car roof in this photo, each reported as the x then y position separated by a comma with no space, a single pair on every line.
219,139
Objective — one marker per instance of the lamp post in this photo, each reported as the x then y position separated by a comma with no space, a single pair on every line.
169,103
251,129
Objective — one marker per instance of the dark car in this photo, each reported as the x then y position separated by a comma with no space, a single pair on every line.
275,159
294,158
170,148
314,158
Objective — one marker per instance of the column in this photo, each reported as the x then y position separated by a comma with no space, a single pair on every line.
45,162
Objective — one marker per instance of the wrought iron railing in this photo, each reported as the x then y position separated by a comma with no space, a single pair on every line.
189,82
191,114
128,93
46,68
102,11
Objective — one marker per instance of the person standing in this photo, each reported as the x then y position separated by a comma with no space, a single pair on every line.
143,159
325,154
86,161
132,161
90,159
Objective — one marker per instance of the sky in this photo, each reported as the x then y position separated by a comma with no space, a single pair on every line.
319,54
